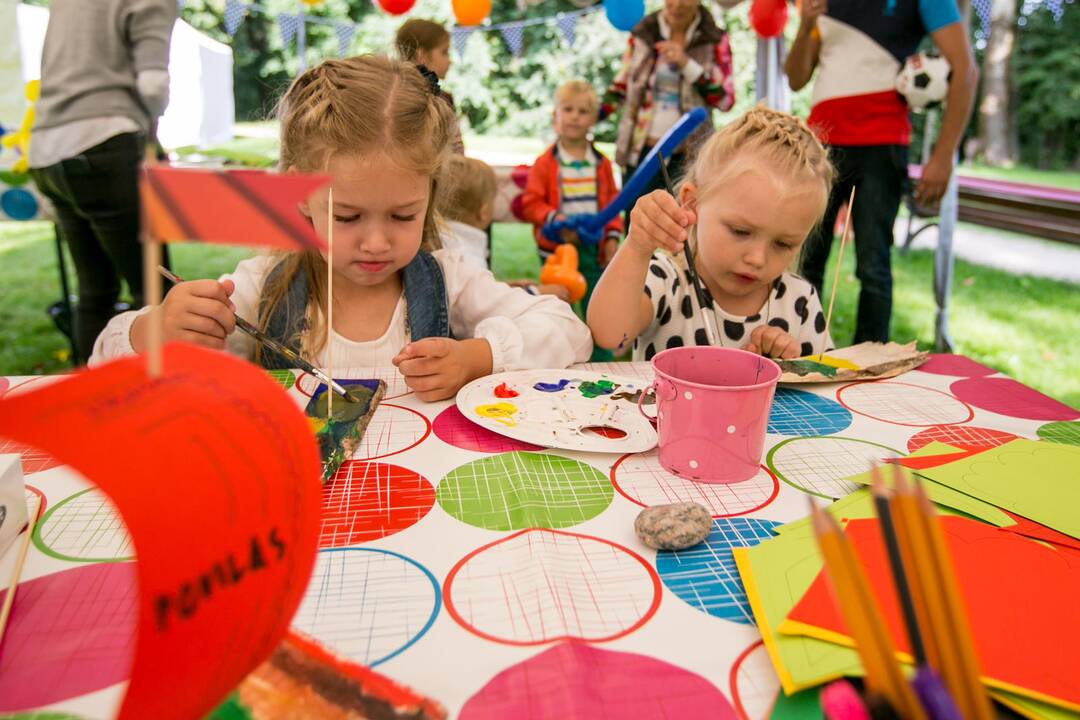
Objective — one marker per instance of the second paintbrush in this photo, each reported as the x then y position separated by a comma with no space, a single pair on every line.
285,351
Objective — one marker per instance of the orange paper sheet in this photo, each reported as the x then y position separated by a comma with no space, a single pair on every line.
235,207
216,475
1020,598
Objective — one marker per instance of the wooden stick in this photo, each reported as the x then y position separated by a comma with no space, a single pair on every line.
9,597
836,275
860,612
330,303
155,330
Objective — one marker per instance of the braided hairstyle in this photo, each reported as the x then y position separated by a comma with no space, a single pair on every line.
367,105
781,141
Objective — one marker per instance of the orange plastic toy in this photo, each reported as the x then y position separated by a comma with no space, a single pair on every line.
561,268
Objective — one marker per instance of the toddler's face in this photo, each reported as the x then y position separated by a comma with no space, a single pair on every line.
574,116
751,229
379,211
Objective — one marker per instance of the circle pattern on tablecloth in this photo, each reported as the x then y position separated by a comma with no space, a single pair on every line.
366,501
393,429
753,682
798,412
904,404
33,460
576,680
455,429
84,527
1006,396
705,577
1066,433
538,586
642,480
517,490
817,465
955,365
69,633
968,435
368,605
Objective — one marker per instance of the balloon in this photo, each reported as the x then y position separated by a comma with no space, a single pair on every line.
471,12
561,268
768,17
396,7
624,14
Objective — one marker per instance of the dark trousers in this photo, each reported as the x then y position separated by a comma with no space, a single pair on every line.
879,172
96,197
676,167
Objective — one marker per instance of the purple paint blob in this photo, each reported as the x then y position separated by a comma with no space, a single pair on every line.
552,387
70,633
574,680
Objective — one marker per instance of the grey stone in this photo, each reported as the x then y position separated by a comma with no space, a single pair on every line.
673,527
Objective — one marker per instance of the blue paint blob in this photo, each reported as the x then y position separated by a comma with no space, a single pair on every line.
552,387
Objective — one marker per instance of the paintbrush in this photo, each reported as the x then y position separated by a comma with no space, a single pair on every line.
272,344
710,333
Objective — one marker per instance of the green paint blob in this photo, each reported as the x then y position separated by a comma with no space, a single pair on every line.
1064,433
518,490
806,367
596,389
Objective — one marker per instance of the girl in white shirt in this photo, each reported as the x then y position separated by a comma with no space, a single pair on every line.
379,130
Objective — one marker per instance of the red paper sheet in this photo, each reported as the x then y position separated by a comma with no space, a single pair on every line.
1020,598
237,207
1032,529
215,472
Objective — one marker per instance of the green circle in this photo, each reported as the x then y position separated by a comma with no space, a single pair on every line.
816,492
518,490
284,378
1065,433
65,522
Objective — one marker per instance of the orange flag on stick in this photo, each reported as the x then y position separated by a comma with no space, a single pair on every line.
233,207
215,472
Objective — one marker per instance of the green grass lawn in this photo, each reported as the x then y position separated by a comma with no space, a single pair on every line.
1015,324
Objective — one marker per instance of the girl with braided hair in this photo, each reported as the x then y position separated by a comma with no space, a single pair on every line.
755,191
377,128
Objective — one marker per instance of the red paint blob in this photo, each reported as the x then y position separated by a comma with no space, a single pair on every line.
504,392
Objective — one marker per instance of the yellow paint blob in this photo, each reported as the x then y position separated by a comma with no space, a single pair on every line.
500,412
835,362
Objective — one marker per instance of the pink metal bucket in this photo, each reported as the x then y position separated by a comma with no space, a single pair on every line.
712,410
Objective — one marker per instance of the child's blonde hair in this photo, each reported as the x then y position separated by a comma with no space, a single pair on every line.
784,141
574,88
470,186
363,105
417,34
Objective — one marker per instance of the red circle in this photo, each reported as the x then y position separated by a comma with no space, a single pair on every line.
42,500
460,620
956,365
733,679
879,383
368,501
368,430
33,460
455,429
714,487
1008,397
959,435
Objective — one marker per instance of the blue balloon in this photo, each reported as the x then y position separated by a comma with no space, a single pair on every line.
18,204
624,14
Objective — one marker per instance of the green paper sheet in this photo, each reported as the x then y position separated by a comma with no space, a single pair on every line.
805,705
1038,480
1032,708
859,504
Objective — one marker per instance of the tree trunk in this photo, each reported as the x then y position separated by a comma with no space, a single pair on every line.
995,110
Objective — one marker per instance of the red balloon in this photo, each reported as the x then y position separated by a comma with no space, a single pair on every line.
768,17
396,7
471,12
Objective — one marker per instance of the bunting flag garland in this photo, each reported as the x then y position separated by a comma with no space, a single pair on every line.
345,32
514,35
568,27
460,36
289,25
234,13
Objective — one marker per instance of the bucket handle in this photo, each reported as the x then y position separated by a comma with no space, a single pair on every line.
662,390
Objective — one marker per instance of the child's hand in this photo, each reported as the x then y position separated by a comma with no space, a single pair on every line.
436,368
199,312
772,342
657,221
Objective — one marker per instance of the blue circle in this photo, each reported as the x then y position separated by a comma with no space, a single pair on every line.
801,414
705,576
18,204
354,591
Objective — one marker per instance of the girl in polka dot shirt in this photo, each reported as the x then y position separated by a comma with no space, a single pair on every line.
756,190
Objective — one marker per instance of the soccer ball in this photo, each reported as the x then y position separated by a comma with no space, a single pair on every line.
924,80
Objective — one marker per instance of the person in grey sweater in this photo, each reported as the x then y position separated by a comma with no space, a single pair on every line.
104,83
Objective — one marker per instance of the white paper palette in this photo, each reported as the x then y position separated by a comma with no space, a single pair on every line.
552,408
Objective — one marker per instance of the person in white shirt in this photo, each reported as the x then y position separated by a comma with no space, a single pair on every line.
379,130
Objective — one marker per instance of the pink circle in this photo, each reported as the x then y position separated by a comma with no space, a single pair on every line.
966,435
957,365
641,479
575,681
455,429
369,501
70,633
33,460
1006,396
